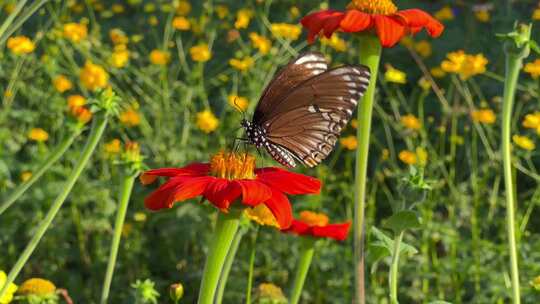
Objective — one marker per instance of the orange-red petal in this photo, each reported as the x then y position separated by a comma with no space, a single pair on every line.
355,21
195,169
415,19
389,29
281,208
326,21
176,189
288,182
254,192
221,193
337,232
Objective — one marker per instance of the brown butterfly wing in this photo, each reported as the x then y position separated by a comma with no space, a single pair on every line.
298,70
308,120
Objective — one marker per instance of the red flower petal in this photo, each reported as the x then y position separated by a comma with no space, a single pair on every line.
298,227
281,208
176,189
221,193
356,21
337,232
415,18
254,192
389,29
315,22
195,169
288,182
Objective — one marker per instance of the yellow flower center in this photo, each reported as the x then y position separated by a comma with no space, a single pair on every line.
375,7
314,218
261,215
232,165
37,286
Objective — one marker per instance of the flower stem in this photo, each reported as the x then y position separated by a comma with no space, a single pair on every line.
125,193
228,264
226,227
513,65
98,127
370,53
394,269
306,255
49,161
251,265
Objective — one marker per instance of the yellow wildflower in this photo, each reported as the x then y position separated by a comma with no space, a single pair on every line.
523,142
422,156
444,14
75,31
408,157
482,15
410,121
118,36
93,76
139,217
261,215
222,11
183,8
113,147
9,8
239,102
75,101
294,11
536,14
181,23
533,68
153,20
118,8
485,116
37,286
12,288
130,117
335,42
349,142
532,121
62,83
200,52
270,293
437,72
454,63
207,121
120,56
463,64
159,57
354,123
38,134
242,64
261,43
385,154
394,75
424,84
407,42
535,283
243,17
286,30
19,45
423,48
26,175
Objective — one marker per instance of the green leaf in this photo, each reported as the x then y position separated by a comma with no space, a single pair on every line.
439,302
403,220
381,246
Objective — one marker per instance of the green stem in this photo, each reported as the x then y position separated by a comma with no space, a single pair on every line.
98,127
394,269
228,264
306,255
49,161
513,65
370,54
125,193
226,227
251,265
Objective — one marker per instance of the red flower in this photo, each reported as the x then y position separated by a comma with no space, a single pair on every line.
316,225
226,178
380,16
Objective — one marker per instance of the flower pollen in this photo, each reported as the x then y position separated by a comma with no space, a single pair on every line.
374,7
314,218
233,166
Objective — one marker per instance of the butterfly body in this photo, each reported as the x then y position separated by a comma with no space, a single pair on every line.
304,109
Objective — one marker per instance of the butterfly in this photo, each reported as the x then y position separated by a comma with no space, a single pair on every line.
303,110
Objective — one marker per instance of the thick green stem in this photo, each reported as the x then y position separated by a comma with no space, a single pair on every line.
370,54
251,265
306,255
49,161
513,66
228,264
98,127
125,194
226,227
394,269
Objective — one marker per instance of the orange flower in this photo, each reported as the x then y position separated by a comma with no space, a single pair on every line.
380,16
